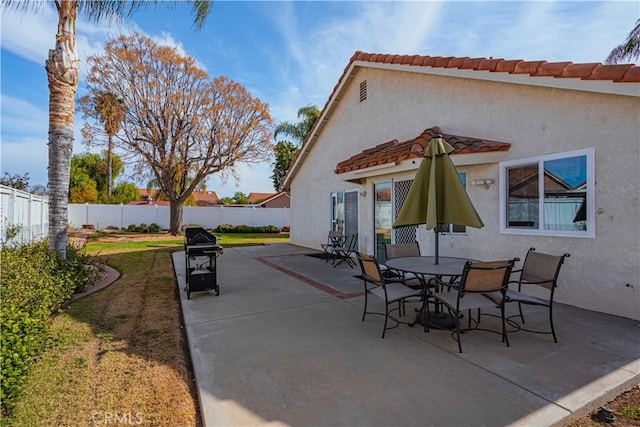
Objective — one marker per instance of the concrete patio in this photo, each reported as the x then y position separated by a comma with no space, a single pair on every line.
283,344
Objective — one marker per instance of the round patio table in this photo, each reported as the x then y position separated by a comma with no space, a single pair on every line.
426,265
423,266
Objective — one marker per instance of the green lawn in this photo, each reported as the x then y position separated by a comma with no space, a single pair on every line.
126,241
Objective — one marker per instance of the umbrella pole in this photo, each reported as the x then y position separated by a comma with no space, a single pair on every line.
435,230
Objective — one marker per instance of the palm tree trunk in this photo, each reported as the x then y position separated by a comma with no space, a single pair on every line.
109,165
62,72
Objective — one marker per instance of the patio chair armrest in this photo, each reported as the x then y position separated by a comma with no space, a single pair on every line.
531,282
438,283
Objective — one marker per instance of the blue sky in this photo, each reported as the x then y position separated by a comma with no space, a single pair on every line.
291,54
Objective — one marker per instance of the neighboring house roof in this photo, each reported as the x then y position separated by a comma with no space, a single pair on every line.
205,198
396,152
621,79
281,199
202,198
149,203
259,197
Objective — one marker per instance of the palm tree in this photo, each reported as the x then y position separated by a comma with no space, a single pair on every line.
62,68
286,151
110,109
299,131
627,50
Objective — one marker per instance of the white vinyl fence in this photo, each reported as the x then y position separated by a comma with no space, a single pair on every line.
121,216
23,213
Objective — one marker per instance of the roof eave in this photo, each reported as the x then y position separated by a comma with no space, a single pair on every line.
413,164
569,83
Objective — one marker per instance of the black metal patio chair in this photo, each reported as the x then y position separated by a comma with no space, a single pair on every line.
335,239
398,250
478,278
539,271
345,254
391,290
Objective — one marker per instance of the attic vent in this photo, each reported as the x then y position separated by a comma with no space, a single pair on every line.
363,90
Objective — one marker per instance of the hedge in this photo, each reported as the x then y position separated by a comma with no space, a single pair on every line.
144,228
228,228
34,285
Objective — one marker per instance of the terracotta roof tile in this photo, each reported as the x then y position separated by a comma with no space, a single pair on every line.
508,66
610,72
632,75
489,64
442,61
457,62
579,70
553,69
528,67
471,63
395,152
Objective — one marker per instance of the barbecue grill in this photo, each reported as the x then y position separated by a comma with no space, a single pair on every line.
201,251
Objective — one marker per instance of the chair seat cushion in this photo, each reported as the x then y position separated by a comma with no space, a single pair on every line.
515,296
395,292
468,301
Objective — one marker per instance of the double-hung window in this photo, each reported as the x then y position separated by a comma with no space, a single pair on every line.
550,195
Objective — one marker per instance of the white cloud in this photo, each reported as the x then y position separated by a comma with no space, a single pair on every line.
28,34
317,55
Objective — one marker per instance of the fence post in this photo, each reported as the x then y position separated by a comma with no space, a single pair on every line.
30,214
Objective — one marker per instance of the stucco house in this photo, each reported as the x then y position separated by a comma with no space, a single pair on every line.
548,152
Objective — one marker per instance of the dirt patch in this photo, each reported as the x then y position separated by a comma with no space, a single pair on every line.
622,408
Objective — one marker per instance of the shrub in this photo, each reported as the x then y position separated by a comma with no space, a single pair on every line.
144,228
228,228
224,228
35,283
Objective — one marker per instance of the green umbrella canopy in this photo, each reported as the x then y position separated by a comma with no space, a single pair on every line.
437,195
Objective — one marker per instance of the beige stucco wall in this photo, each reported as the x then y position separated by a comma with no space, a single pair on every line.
536,121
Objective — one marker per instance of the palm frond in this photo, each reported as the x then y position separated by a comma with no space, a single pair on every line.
628,50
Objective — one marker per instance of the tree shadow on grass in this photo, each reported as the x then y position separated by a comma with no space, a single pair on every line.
138,351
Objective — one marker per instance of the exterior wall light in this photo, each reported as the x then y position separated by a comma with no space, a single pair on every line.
485,182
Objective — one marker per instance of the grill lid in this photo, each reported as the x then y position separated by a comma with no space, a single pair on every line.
198,235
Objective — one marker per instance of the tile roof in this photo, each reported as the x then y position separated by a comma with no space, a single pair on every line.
395,152
201,198
259,197
280,198
584,71
619,73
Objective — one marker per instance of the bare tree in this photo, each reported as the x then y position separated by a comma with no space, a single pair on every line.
179,125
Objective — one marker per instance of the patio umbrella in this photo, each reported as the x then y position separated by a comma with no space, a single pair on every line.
437,196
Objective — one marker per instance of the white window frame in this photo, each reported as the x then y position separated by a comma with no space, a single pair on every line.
590,154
